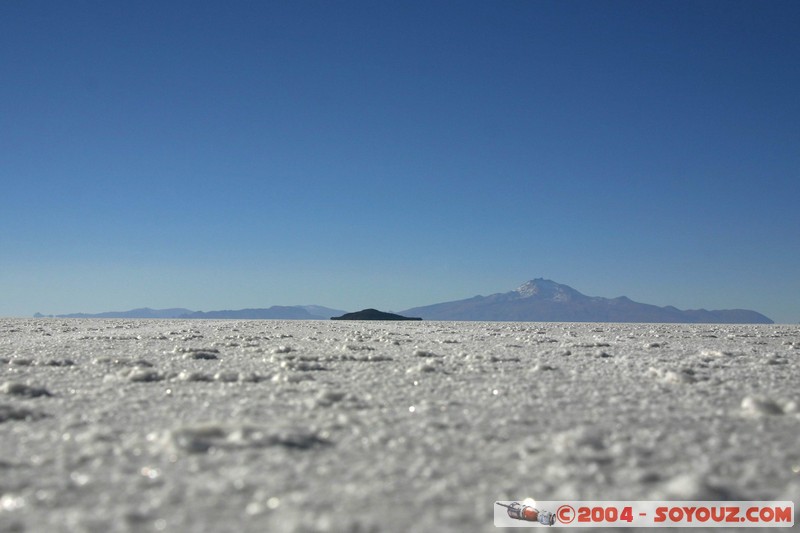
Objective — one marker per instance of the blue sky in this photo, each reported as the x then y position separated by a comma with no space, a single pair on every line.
222,155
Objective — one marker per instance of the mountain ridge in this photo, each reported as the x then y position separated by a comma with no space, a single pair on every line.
276,312
537,300
543,300
139,312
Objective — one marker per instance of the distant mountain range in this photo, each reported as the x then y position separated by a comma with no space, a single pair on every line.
542,300
538,300
144,312
297,312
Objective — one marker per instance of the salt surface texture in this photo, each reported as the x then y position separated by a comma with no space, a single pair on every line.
126,425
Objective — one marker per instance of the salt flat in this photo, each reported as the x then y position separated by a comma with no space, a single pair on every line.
136,425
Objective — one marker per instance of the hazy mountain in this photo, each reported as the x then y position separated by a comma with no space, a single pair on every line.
322,312
143,312
296,312
538,300
542,300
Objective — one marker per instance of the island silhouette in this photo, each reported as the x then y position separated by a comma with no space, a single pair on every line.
372,314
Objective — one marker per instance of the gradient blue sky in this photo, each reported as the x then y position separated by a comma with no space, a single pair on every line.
231,154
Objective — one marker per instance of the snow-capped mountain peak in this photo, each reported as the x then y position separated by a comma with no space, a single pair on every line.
543,300
545,289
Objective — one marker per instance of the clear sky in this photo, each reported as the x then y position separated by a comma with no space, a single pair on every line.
231,154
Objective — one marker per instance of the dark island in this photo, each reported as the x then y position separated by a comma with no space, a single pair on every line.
372,314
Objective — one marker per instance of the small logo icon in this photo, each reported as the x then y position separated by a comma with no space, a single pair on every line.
528,513
565,514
